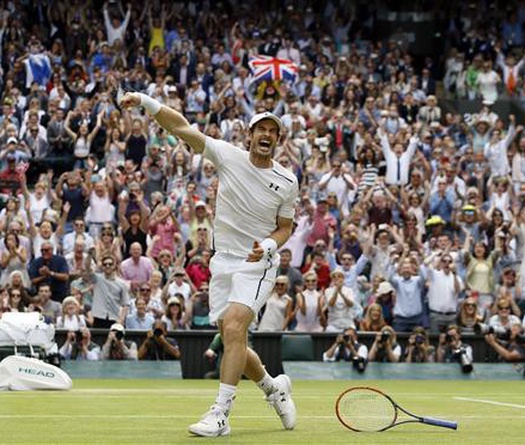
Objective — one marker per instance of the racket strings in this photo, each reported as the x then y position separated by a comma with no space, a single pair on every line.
366,410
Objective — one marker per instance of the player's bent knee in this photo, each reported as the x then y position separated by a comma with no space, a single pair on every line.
233,332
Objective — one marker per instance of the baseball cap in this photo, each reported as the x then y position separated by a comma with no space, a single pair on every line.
337,271
117,327
174,300
266,115
12,140
179,271
384,288
434,220
468,208
200,204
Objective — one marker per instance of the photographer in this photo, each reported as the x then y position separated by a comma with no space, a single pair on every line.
419,349
511,345
452,349
157,345
385,348
347,347
116,348
78,346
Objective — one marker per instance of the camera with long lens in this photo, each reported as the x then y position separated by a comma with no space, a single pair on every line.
119,335
359,364
461,356
346,338
485,329
158,332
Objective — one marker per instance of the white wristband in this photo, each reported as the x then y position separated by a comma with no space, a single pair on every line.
270,247
151,106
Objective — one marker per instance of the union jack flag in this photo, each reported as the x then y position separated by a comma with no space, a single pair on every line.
272,68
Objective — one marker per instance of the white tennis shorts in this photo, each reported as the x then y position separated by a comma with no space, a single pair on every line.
234,280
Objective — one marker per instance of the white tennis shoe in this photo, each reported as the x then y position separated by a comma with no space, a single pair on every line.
212,424
282,402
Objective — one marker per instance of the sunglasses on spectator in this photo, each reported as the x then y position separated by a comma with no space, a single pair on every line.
145,289
46,249
108,264
503,307
470,304
310,281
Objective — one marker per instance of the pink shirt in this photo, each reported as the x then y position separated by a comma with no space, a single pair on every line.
320,228
137,272
166,230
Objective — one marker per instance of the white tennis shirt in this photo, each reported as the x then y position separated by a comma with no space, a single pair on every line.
249,198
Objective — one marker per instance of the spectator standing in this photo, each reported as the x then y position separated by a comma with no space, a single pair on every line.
110,294
278,311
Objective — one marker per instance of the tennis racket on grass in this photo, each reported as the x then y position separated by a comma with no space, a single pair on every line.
364,409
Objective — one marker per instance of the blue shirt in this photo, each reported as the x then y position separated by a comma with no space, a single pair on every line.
58,264
443,206
409,295
144,324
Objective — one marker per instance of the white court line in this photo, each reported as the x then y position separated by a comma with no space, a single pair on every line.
491,402
148,416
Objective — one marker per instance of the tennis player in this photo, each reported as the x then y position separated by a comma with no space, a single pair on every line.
254,214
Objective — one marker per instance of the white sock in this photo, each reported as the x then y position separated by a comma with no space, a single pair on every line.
267,384
225,396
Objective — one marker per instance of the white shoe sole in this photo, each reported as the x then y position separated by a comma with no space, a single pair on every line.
193,429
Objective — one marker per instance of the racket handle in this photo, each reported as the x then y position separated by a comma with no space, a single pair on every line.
438,422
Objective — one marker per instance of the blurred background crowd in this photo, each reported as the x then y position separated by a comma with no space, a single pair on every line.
410,213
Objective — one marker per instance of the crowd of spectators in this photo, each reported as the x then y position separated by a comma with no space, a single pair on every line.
409,216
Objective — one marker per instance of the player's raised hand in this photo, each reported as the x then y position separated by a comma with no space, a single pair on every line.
256,254
130,100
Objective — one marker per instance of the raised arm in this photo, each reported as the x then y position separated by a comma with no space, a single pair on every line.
167,118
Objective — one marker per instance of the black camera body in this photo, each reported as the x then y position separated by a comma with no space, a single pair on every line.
158,332
346,338
79,336
119,335
385,336
420,339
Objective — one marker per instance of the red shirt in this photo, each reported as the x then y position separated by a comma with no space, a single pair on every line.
323,274
198,274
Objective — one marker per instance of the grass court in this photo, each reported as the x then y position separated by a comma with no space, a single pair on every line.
159,411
